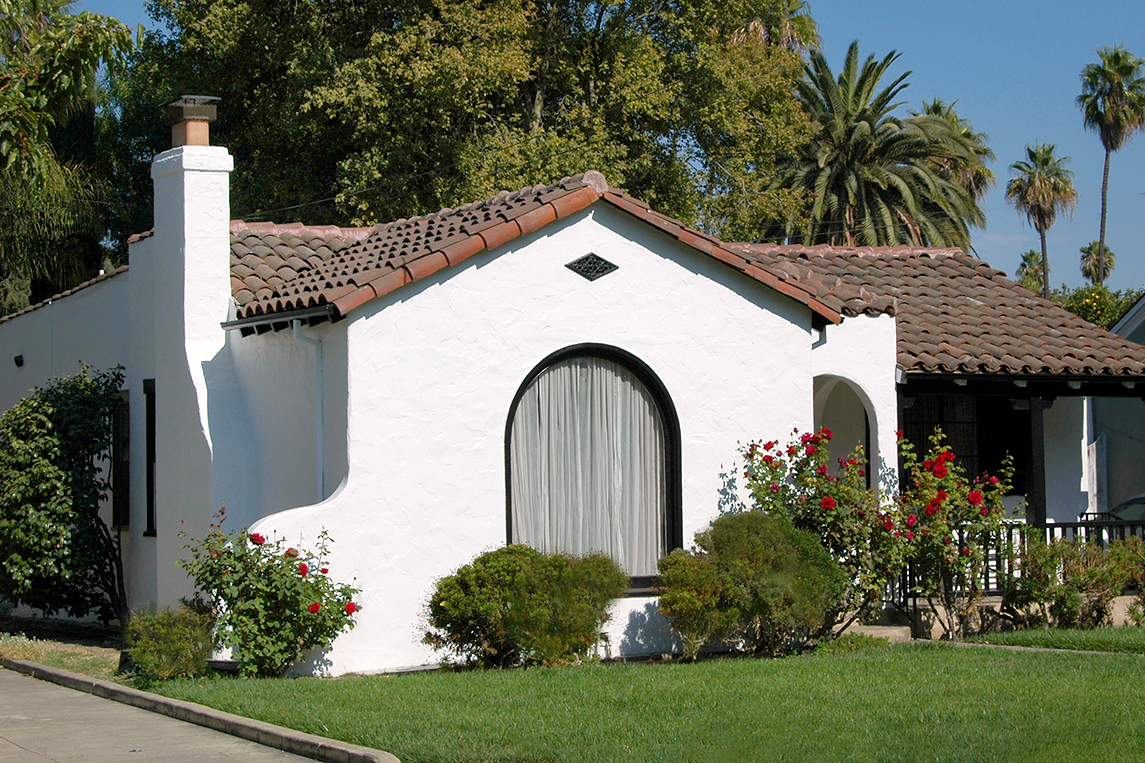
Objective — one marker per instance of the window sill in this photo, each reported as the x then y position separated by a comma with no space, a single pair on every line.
149,534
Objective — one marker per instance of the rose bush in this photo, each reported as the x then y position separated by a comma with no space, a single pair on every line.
835,505
951,523
265,604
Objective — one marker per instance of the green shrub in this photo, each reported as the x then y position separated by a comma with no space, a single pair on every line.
167,643
1066,584
1129,558
271,603
690,590
515,605
773,585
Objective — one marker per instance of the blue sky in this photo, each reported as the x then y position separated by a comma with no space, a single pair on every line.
1012,66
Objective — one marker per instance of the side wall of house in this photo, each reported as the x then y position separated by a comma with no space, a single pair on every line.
432,373
277,379
89,326
861,354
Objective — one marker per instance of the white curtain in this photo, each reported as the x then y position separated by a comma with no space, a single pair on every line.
587,465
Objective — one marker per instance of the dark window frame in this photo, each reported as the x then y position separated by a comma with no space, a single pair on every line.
120,466
149,396
641,585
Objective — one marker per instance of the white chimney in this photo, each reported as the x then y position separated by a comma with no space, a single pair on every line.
184,288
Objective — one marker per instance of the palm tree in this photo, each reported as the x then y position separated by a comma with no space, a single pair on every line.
1030,272
1113,102
1089,262
1041,188
974,176
874,178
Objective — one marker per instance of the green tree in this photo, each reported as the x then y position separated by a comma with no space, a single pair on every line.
51,220
1091,256
1031,274
973,175
872,177
58,553
366,111
1113,103
1040,189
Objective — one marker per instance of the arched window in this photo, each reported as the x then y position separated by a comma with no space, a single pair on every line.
592,459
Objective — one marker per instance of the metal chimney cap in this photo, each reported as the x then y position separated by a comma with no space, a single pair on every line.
191,108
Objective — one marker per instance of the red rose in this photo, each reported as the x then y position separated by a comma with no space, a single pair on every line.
325,570
792,450
985,511
862,472
313,608
351,608
941,496
291,552
993,480
889,525
805,438
910,535
928,464
822,469
929,510
896,533
966,552
939,471
775,487
862,514
303,569
911,521
811,450
827,503
826,433
975,498
899,433
257,539
769,445
768,459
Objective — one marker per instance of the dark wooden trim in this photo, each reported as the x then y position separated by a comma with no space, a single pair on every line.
1036,487
674,521
149,396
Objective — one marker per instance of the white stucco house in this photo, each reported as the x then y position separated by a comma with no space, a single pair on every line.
560,366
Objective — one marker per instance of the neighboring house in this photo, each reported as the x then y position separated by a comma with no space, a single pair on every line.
560,366
1119,431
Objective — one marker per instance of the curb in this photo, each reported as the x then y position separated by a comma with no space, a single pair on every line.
288,740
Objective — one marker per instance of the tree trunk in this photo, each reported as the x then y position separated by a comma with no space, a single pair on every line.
1101,238
1045,266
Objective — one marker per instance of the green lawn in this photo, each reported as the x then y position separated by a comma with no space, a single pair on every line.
905,703
1099,640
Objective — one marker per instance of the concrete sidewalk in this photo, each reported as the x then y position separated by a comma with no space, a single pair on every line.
43,721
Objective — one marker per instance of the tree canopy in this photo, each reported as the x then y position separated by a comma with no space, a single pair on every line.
364,111
51,221
875,178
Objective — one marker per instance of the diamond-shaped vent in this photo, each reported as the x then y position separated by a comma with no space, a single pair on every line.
591,266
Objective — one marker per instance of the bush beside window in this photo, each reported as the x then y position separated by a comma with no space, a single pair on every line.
515,605
754,578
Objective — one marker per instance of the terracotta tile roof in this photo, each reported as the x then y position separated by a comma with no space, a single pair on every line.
954,313
91,282
277,269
